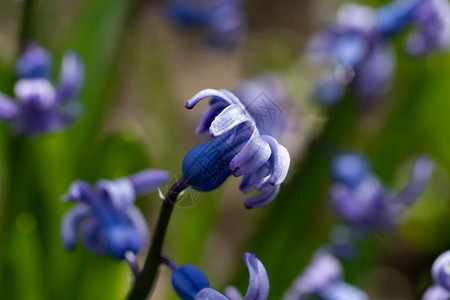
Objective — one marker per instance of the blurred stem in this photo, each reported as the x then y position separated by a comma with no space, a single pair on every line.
25,30
147,278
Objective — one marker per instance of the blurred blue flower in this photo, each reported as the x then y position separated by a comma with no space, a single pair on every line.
441,276
41,107
191,283
105,216
322,278
357,49
237,148
355,55
222,21
360,198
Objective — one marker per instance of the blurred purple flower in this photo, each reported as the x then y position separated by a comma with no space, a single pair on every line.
441,276
323,279
237,148
105,216
356,55
41,107
360,198
357,48
221,20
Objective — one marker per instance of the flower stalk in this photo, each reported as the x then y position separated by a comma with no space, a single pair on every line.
148,275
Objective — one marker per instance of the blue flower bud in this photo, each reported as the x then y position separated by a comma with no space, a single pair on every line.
188,281
207,166
35,63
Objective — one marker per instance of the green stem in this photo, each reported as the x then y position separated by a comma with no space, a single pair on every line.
24,34
147,278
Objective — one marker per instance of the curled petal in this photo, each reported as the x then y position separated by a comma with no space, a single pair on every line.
76,191
258,288
221,94
71,224
8,109
210,115
254,154
281,160
71,77
420,174
263,199
228,119
210,294
232,293
148,181
250,181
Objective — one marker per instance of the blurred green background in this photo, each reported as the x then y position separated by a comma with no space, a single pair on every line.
140,71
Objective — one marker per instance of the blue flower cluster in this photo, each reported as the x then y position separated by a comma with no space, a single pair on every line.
357,49
361,200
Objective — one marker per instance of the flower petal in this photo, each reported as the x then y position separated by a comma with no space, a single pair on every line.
71,77
258,288
420,174
210,115
436,292
210,294
323,271
250,181
232,293
119,193
92,236
281,160
8,109
254,154
222,94
228,119
139,223
148,181
71,224
263,199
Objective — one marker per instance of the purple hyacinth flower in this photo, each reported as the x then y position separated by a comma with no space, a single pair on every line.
41,107
359,197
355,54
222,21
436,292
238,148
105,216
258,288
431,19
